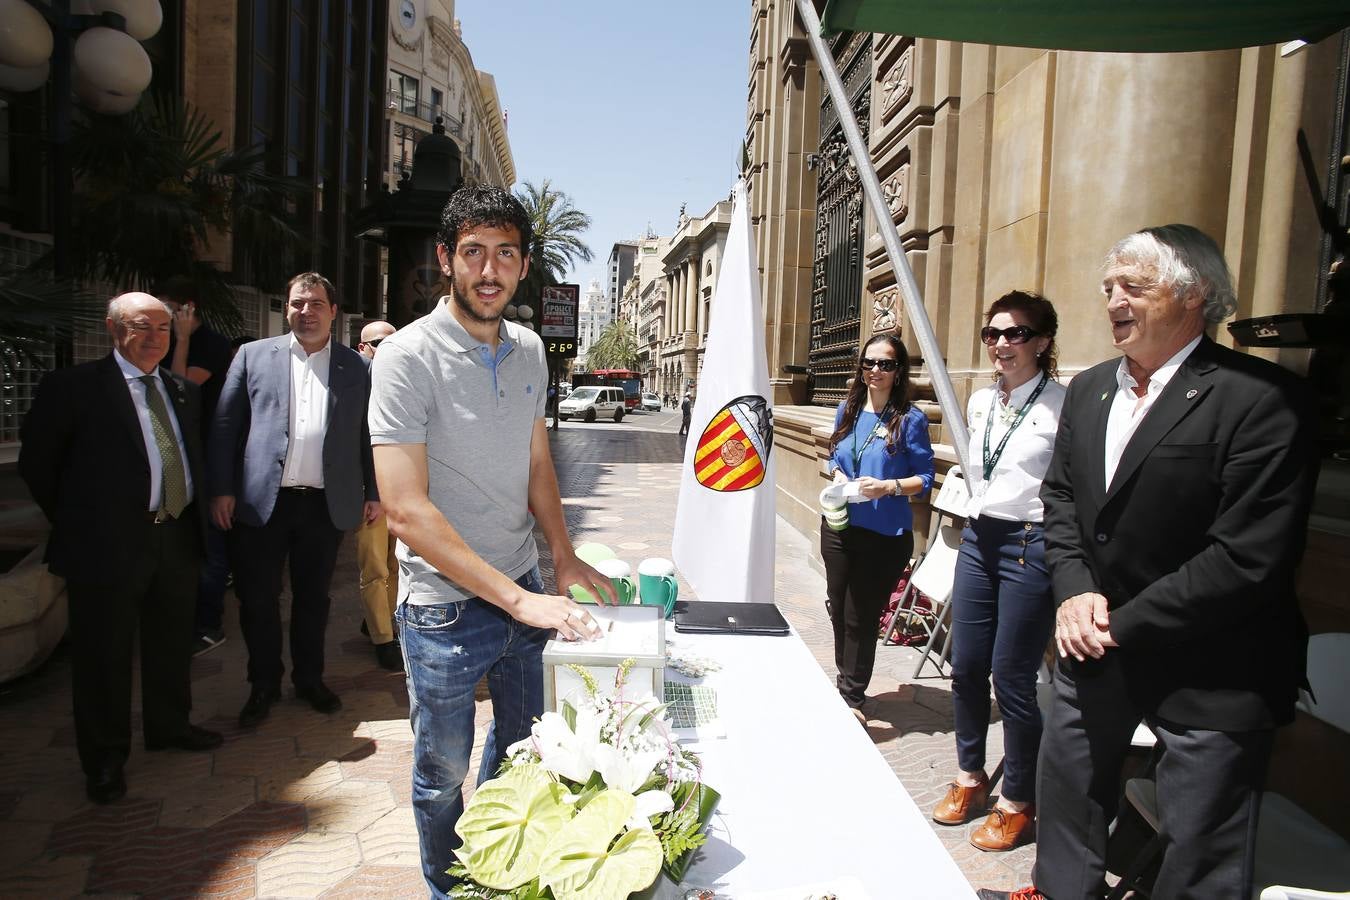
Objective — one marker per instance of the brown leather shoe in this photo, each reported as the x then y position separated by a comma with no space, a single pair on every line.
961,802
1003,830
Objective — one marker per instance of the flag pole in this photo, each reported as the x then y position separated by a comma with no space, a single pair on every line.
952,414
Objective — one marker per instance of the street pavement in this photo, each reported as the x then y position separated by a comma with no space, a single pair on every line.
308,805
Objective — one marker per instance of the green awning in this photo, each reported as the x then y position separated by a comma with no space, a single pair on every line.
1142,26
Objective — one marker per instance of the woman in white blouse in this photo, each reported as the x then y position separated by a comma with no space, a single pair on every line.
1002,612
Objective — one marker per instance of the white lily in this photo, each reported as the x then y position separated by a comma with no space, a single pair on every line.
567,752
650,803
626,771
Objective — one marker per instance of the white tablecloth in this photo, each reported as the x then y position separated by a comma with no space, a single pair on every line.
807,800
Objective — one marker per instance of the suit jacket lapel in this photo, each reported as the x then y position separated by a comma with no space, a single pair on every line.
281,378
119,396
1183,393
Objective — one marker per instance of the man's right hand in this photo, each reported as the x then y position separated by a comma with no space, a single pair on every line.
569,618
222,512
1082,627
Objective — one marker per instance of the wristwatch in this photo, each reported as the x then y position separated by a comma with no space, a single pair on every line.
895,490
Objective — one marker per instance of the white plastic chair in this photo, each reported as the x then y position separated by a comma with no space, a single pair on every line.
1296,856
935,571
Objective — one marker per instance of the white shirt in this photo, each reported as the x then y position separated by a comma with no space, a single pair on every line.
1013,491
1128,410
309,416
141,400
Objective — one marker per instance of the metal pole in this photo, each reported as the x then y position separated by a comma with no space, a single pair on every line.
952,414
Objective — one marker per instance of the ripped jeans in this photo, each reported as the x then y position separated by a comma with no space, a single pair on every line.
447,650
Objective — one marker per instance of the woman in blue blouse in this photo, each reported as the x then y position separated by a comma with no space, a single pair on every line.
880,440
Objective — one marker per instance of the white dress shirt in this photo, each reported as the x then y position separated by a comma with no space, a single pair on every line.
141,401
309,416
1128,409
1013,491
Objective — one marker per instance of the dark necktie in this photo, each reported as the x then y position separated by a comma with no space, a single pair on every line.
173,486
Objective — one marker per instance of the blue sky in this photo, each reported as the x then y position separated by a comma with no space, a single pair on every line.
631,108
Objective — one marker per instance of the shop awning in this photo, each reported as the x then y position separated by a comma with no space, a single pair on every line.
1143,26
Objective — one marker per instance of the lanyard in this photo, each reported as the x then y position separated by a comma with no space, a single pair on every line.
991,461
871,436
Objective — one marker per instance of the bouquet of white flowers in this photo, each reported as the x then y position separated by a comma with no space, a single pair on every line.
591,806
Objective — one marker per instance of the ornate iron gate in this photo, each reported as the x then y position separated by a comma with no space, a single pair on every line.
836,278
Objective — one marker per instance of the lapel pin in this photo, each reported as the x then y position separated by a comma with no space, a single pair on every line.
1104,394
1190,395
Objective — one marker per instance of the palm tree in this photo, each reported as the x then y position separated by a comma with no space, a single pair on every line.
558,226
615,348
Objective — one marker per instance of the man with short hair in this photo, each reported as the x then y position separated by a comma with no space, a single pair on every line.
457,418
686,411
112,454
291,470
1176,508
375,550
202,355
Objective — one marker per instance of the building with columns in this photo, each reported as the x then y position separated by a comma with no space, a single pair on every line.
1010,168
691,261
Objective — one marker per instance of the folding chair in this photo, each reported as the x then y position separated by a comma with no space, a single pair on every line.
934,572
1296,855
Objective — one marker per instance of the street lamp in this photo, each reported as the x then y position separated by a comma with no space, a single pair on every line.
90,48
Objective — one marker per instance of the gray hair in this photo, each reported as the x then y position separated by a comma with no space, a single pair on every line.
117,306
1185,260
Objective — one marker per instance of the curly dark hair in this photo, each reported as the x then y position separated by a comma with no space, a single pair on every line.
899,399
1042,318
483,204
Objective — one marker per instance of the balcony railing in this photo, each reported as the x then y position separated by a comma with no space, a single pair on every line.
426,112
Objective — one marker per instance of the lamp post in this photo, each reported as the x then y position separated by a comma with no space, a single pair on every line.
90,48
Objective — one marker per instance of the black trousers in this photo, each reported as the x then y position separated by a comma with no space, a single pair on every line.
1209,792
861,569
300,531
154,595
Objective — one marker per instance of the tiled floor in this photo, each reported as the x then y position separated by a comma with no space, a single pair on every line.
309,805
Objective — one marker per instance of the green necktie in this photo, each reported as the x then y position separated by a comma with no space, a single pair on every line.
173,487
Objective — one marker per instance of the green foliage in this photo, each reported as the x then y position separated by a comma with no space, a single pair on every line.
591,688
36,309
508,825
616,348
679,831
586,862
152,189
466,890
558,226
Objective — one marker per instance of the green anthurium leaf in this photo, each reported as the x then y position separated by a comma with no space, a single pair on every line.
508,825
583,861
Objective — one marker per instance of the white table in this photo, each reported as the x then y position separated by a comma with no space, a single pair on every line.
806,797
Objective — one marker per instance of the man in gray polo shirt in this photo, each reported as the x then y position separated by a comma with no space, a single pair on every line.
463,465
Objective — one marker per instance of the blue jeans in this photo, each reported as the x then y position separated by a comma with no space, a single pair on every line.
211,583
447,649
1002,616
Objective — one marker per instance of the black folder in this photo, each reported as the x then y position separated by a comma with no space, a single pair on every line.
711,617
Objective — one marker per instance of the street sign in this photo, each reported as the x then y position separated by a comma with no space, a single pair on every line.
558,321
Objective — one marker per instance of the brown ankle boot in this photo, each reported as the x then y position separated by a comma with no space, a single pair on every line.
961,802
1003,829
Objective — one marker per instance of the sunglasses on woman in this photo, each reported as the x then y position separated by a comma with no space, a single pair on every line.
1018,334
885,365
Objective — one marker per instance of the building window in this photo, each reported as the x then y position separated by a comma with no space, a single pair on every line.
437,100
403,92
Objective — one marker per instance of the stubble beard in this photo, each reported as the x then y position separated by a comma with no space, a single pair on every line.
466,306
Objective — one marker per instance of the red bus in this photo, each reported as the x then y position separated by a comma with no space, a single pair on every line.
631,382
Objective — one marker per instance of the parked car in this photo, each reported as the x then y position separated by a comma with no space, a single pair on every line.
652,402
590,403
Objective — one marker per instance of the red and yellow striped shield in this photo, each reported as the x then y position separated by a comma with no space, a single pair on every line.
733,450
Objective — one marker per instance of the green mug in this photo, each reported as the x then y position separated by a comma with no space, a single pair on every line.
620,575
657,585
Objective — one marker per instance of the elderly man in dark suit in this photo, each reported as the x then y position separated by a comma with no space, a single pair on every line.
291,470
112,453
1176,507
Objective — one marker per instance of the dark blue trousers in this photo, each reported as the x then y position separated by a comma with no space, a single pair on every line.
1002,616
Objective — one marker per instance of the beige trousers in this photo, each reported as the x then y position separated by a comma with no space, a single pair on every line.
379,578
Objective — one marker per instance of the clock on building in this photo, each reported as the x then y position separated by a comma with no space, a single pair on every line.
408,22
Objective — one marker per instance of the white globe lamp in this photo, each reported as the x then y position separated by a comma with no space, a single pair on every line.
25,37
112,70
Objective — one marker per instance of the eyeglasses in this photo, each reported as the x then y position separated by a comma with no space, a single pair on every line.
374,343
885,365
1018,334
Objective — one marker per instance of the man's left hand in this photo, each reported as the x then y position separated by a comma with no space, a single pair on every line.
572,571
371,511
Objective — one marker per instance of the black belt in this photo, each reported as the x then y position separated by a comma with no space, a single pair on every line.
301,488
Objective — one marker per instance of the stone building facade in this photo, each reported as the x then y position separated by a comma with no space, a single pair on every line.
691,262
642,293
592,318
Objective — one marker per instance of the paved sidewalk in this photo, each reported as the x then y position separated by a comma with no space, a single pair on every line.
308,805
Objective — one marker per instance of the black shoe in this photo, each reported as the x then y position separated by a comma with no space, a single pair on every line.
259,704
194,740
106,785
207,641
319,696
365,629
390,656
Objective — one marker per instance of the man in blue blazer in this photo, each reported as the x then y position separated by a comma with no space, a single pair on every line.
290,470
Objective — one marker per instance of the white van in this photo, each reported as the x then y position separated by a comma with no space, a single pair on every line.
593,402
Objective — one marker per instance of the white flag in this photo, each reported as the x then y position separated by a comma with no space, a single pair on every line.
724,523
